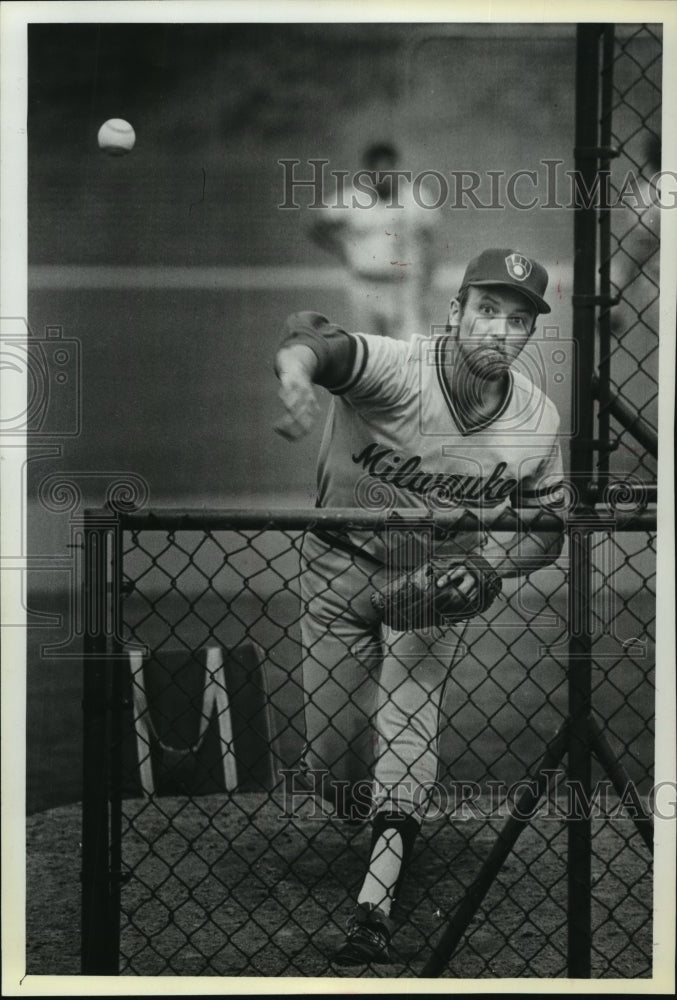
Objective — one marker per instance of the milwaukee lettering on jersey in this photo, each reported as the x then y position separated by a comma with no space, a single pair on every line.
406,474
394,427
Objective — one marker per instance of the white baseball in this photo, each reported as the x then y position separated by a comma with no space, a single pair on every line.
116,137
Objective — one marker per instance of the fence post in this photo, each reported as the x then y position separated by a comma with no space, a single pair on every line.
606,122
118,705
99,951
585,301
585,298
579,769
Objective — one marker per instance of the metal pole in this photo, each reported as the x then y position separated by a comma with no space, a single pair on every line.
585,251
605,263
612,404
579,769
585,302
117,708
304,518
95,952
621,781
507,838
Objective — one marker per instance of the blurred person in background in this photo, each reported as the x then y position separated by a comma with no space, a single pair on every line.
383,233
635,271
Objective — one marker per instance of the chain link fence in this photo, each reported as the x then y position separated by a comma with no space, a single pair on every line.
228,866
630,128
202,852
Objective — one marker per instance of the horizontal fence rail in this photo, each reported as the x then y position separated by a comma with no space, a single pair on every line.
299,519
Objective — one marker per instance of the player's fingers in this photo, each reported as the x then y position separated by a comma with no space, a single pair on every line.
299,418
289,428
300,415
460,577
301,406
452,576
298,398
303,416
467,584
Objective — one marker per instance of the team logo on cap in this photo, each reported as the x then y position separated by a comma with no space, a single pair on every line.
519,267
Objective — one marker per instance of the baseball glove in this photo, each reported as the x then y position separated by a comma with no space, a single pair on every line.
414,601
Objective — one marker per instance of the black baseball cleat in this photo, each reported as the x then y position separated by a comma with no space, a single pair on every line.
368,933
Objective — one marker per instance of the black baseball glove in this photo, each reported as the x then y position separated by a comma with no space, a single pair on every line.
414,601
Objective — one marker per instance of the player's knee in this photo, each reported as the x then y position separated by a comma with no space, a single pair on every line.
343,783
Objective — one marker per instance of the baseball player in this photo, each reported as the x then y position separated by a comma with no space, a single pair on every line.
386,245
436,421
635,264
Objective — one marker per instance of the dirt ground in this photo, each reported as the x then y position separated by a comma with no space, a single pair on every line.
233,888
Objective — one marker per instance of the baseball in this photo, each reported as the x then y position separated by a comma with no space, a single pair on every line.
116,137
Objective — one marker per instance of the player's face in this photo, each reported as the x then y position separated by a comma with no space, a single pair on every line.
492,328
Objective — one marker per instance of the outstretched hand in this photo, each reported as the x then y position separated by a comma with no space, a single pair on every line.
298,396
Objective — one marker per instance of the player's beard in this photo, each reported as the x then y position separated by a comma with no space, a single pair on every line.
487,363
480,380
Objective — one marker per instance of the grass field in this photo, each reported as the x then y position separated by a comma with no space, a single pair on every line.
225,886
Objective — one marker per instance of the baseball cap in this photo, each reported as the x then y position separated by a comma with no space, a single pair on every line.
510,268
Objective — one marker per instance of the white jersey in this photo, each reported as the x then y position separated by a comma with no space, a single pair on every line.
384,242
395,437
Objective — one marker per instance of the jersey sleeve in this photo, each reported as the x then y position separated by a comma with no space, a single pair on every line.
381,371
366,369
333,347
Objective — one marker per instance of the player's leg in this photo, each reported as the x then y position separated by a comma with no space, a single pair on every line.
412,682
411,690
340,700
341,654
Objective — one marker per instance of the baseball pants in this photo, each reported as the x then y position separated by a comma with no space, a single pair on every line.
373,697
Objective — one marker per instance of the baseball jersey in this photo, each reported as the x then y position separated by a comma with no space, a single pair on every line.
382,242
396,438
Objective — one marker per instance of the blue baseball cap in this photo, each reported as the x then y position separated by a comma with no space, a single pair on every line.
510,268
